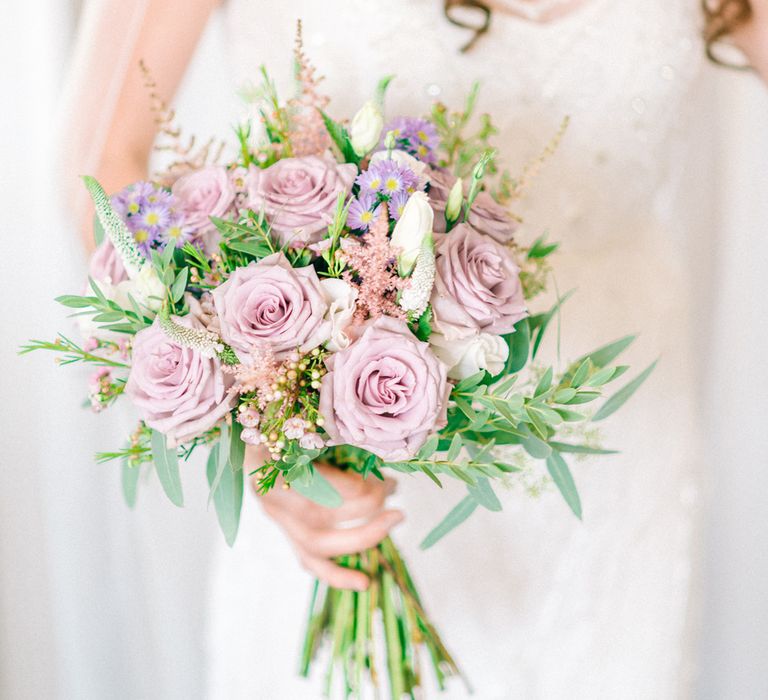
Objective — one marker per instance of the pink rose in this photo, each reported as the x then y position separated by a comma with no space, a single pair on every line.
202,194
106,266
271,302
486,215
384,393
477,286
178,391
299,195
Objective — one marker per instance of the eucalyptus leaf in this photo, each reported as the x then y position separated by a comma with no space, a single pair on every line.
544,383
615,402
130,480
563,479
221,450
236,446
519,345
544,323
318,489
167,468
455,448
606,354
226,492
456,517
534,446
580,449
179,285
429,447
483,494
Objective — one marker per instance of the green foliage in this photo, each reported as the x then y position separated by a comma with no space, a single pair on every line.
70,351
311,484
615,402
455,517
167,468
129,480
341,139
562,478
226,484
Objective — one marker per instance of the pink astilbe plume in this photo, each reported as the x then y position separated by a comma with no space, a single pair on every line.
371,260
308,135
255,375
188,155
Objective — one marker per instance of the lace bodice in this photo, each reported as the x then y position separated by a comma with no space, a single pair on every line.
626,108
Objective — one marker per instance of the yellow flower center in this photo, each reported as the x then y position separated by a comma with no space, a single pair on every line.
375,184
366,217
422,136
133,208
391,185
174,232
152,218
141,235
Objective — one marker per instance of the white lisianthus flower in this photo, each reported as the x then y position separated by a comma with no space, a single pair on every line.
146,288
467,356
341,306
412,228
365,128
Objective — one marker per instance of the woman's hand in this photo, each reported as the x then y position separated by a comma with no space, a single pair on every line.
319,534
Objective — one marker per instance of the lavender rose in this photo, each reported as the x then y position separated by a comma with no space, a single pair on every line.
271,302
384,393
477,286
491,218
179,391
204,193
299,195
486,215
105,264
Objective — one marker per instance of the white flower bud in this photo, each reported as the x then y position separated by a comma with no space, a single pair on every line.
365,129
453,204
467,356
414,225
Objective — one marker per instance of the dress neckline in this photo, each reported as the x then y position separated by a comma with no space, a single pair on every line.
575,15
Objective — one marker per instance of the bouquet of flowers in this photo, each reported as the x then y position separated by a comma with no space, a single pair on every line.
342,292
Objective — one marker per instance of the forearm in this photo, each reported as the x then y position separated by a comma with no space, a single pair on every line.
111,119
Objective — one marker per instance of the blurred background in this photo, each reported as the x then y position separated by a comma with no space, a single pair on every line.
81,575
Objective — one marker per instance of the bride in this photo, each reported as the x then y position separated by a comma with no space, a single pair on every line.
533,603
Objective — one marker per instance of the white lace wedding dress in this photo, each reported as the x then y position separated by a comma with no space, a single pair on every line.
533,603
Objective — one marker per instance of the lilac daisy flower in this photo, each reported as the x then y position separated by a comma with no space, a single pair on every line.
396,204
361,212
415,136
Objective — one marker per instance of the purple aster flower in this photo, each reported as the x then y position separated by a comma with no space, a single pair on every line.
415,136
396,204
387,177
151,215
362,212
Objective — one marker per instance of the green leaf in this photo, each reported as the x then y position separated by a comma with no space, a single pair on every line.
544,383
455,448
545,319
540,249
222,456
519,344
76,302
569,416
622,395
456,517
167,468
429,447
423,329
317,488
236,445
130,480
179,285
226,492
606,354
470,382
340,136
483,494
564,395
563,479
535,446
581,373
581,449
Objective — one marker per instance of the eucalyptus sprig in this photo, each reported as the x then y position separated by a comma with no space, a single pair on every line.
71,352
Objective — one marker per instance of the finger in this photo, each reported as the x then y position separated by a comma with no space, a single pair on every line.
366,506
335,542
333,574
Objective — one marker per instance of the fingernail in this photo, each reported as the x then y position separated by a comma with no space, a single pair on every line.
396,517
362,585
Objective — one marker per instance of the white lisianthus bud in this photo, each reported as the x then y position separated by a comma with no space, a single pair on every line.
366,126
341,298
453,204
414,225
467,356
146,288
